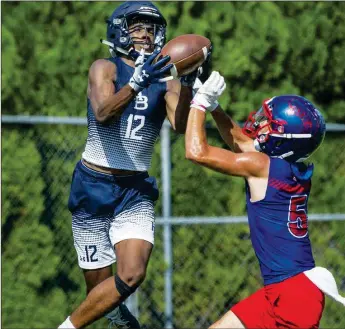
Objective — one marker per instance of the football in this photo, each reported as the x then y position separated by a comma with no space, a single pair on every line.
187,52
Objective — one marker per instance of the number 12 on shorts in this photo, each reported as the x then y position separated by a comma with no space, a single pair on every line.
90,253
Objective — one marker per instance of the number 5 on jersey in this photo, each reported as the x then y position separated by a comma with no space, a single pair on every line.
298,219
132,132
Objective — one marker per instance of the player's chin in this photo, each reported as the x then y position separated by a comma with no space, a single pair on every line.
147,47
150,48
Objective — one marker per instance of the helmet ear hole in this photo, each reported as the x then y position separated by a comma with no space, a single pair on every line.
279,143
112,36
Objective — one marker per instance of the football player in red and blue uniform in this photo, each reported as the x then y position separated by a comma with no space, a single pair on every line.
286,130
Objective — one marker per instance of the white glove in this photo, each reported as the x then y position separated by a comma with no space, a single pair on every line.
197,85
206,97
133,82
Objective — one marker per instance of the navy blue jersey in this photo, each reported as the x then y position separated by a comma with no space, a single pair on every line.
279,224
127,143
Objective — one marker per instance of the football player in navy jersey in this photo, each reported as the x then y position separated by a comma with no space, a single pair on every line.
286,130
112,196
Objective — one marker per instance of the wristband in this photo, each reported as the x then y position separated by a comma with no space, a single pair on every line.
198,106
135,85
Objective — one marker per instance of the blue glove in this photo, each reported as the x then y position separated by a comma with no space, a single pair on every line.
146,73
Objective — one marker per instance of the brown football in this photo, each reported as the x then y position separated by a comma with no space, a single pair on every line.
187,52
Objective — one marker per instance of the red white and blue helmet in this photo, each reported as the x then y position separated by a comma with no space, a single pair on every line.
118,33
295,128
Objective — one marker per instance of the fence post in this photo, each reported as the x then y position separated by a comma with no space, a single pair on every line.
166,192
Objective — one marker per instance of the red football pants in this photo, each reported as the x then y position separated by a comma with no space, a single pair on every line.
293,303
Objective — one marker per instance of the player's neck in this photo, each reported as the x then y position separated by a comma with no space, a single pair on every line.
127,61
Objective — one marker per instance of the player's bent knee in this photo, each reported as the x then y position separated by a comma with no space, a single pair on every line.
132,276
123,288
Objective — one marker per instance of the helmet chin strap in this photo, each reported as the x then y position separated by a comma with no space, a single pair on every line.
112,48
257,145
257,141
132,52
282,156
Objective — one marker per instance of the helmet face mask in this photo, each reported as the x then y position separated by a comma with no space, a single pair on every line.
259,123
142,32
287,126
136,24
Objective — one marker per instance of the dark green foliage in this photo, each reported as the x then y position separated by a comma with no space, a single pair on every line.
262,49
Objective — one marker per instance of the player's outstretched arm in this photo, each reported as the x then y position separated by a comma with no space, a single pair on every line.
247,164
179,95
107,104
231,132
178,98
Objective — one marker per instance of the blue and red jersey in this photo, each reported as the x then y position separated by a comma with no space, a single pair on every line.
279,224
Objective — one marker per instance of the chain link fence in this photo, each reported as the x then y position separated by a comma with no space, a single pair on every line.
202,263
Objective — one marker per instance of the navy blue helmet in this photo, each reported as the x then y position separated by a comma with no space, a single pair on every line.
287,126
118,33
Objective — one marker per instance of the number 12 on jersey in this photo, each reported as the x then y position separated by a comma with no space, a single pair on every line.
132,132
